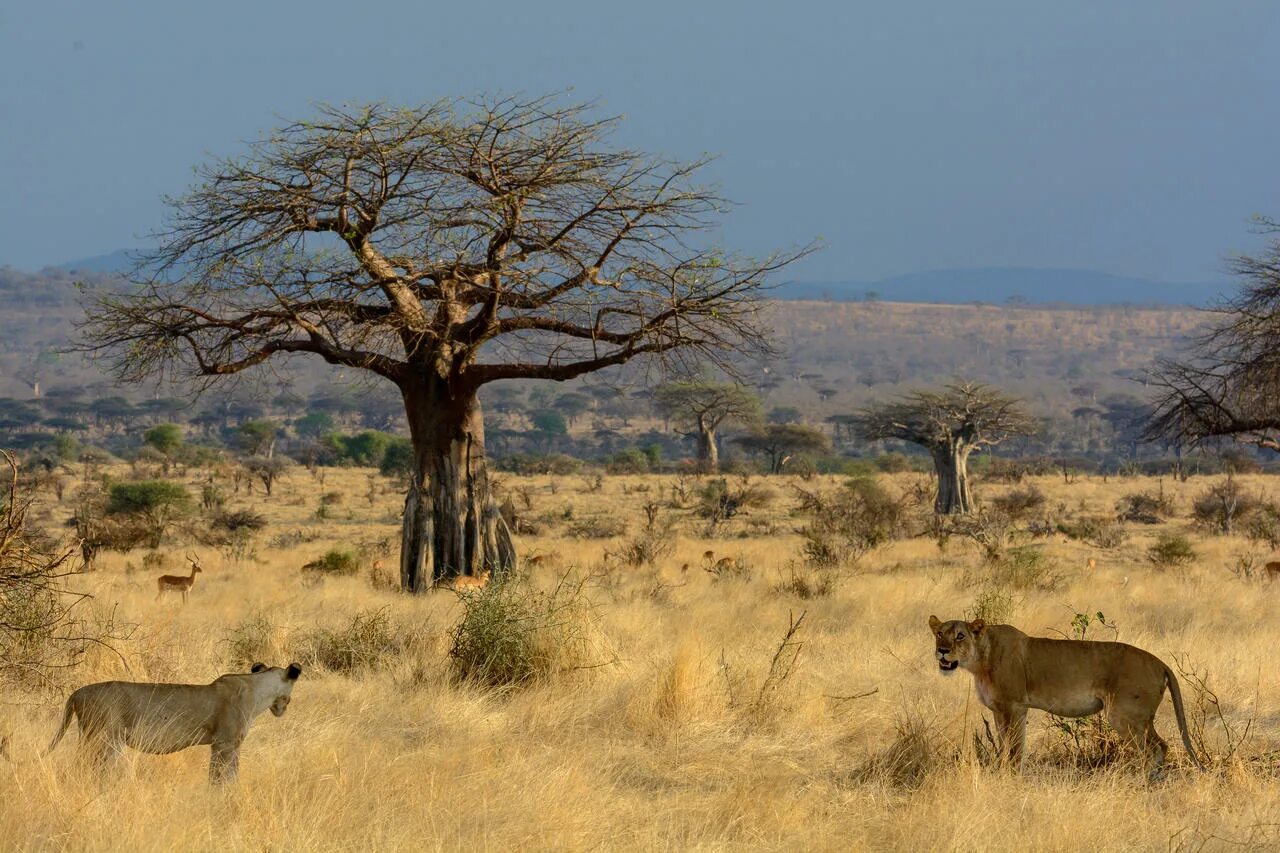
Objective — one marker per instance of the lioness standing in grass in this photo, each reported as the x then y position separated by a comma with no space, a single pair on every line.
1070,678
164,718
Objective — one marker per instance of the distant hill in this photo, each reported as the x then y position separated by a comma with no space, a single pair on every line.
121,260
1011,284
993,285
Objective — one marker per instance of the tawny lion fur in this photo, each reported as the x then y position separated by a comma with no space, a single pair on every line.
164,718
1070,678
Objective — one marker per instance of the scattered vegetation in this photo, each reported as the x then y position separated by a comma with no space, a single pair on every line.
847,523
336,561
367,642
1171,550
513,634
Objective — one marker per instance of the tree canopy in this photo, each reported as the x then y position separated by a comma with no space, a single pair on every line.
951,423
970,414
1228,383
380,238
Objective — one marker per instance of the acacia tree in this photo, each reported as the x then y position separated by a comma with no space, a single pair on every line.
780,442
699,409
1228,383
441,248
951,424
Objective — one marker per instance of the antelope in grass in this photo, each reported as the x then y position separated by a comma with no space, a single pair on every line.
179,583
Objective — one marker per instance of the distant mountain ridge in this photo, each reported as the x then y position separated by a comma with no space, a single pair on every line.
1034,285
121,260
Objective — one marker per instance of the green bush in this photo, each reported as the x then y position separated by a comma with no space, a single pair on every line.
1171,549
397,459
511,635
145,496
152,504
335,562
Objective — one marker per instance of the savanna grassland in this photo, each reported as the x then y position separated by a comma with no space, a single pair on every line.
667,709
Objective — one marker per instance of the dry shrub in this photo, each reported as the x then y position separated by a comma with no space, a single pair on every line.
646,548
993,604
1263,525
512,634
911,757
1145,508
1218,508
1098,531
254,639
43,630
1020,503
1022,568
1217,738
293,538
847,523
718,501
805,582
367,643
243,519
1082,743
989,530
598,526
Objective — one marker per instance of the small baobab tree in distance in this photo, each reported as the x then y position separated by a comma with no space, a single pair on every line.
951,423
441,248
699,408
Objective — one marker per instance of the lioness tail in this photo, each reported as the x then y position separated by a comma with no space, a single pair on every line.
66,721
1176,693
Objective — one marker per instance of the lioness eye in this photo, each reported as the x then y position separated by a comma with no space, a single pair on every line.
959,636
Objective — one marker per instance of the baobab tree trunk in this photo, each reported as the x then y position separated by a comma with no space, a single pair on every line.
452,525
952,464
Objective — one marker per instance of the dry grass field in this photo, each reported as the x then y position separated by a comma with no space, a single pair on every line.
677,720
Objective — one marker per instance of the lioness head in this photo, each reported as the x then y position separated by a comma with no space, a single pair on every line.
956,641
280,690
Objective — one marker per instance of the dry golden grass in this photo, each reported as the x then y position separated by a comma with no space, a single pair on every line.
684,740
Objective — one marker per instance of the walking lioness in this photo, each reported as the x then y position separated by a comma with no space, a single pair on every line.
1070,678
163,718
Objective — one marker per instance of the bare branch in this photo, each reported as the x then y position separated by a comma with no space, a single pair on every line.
465,241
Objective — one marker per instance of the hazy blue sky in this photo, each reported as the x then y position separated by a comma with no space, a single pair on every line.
1135,137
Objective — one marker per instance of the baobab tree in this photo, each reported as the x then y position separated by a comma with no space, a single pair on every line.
441,248
1227,384
951,423
699,408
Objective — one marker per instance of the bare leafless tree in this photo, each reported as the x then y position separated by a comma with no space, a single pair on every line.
951,423
41,629
1228,383
440,248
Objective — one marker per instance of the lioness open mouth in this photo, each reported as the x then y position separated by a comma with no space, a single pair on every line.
948,665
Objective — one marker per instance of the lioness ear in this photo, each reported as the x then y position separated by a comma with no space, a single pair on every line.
258,667
977,625
934,624
293,672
